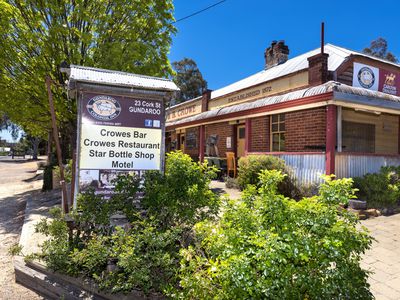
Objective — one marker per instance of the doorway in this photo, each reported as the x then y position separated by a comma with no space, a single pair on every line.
240,140
182,142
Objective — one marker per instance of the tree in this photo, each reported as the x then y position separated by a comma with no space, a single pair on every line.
6,124
379,48
37,36
189,79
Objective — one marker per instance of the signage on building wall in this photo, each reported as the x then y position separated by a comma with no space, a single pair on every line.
228,142
118,135
183,111
260,91
376,79
249,94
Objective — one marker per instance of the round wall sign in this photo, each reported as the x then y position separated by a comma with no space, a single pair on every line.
366,77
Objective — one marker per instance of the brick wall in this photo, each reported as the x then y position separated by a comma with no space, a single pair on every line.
192,151
306,130
260,132
223,130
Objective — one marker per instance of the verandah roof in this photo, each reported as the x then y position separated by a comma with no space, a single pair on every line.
332,89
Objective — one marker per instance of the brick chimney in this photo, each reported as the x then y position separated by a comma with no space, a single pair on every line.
276,54
318,69
206,96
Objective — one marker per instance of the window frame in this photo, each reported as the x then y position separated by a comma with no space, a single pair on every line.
279,132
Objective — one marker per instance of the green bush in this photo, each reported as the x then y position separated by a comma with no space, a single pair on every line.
67,171
231,183
182,195
266,246
47,178
380,189
249,168
144,255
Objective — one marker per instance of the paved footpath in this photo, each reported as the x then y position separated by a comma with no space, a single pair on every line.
15,188
383,259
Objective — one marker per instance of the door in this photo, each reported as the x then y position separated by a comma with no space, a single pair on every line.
240,140
182,142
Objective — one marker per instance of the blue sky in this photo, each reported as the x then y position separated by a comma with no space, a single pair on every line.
228,41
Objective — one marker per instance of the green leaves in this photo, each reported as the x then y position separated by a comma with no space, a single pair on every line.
380,189
189,79
270,247
36,36
182,195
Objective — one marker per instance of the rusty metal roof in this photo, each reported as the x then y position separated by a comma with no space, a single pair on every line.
340,91
117,78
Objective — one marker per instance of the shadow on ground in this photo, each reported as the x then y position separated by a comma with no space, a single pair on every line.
40,203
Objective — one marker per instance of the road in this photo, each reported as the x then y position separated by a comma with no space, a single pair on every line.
16,185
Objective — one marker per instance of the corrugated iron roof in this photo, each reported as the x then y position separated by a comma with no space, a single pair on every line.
117,78
338,88
337,56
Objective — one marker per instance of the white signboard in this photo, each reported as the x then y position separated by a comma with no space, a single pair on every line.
118,135
365,76
120,148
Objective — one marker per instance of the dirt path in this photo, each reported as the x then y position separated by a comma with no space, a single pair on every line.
15,188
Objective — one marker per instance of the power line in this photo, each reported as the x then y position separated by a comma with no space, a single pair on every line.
198,12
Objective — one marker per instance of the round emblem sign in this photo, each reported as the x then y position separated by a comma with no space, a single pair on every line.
103,108
366,77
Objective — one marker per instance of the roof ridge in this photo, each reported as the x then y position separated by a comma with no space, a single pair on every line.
119,72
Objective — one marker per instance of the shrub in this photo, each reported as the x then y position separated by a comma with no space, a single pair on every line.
144,255
182,195
251,166
231,183
380,189
266,246
67,171
47,178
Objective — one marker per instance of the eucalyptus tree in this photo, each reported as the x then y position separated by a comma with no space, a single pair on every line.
189,79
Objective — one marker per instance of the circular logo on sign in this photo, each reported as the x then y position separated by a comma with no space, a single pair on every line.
103,108
366,77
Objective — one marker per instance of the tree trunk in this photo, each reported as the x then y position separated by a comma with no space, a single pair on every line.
49,143
35,147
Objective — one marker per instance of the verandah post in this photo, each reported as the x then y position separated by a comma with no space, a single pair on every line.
331,121
247,143
202,138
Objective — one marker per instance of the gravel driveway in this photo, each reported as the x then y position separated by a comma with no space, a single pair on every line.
15,188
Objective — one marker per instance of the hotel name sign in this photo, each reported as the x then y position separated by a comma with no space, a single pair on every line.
262,90
184,110
247,95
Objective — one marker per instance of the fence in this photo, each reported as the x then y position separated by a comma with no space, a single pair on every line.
359,164
306,167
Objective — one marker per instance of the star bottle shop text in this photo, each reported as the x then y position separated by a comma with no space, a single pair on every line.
121,154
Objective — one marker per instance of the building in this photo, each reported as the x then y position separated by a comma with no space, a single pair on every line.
330,110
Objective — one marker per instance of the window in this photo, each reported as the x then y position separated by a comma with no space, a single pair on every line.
278,132
242,133
358,137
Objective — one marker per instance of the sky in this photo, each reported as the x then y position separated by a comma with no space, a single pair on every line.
228,41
